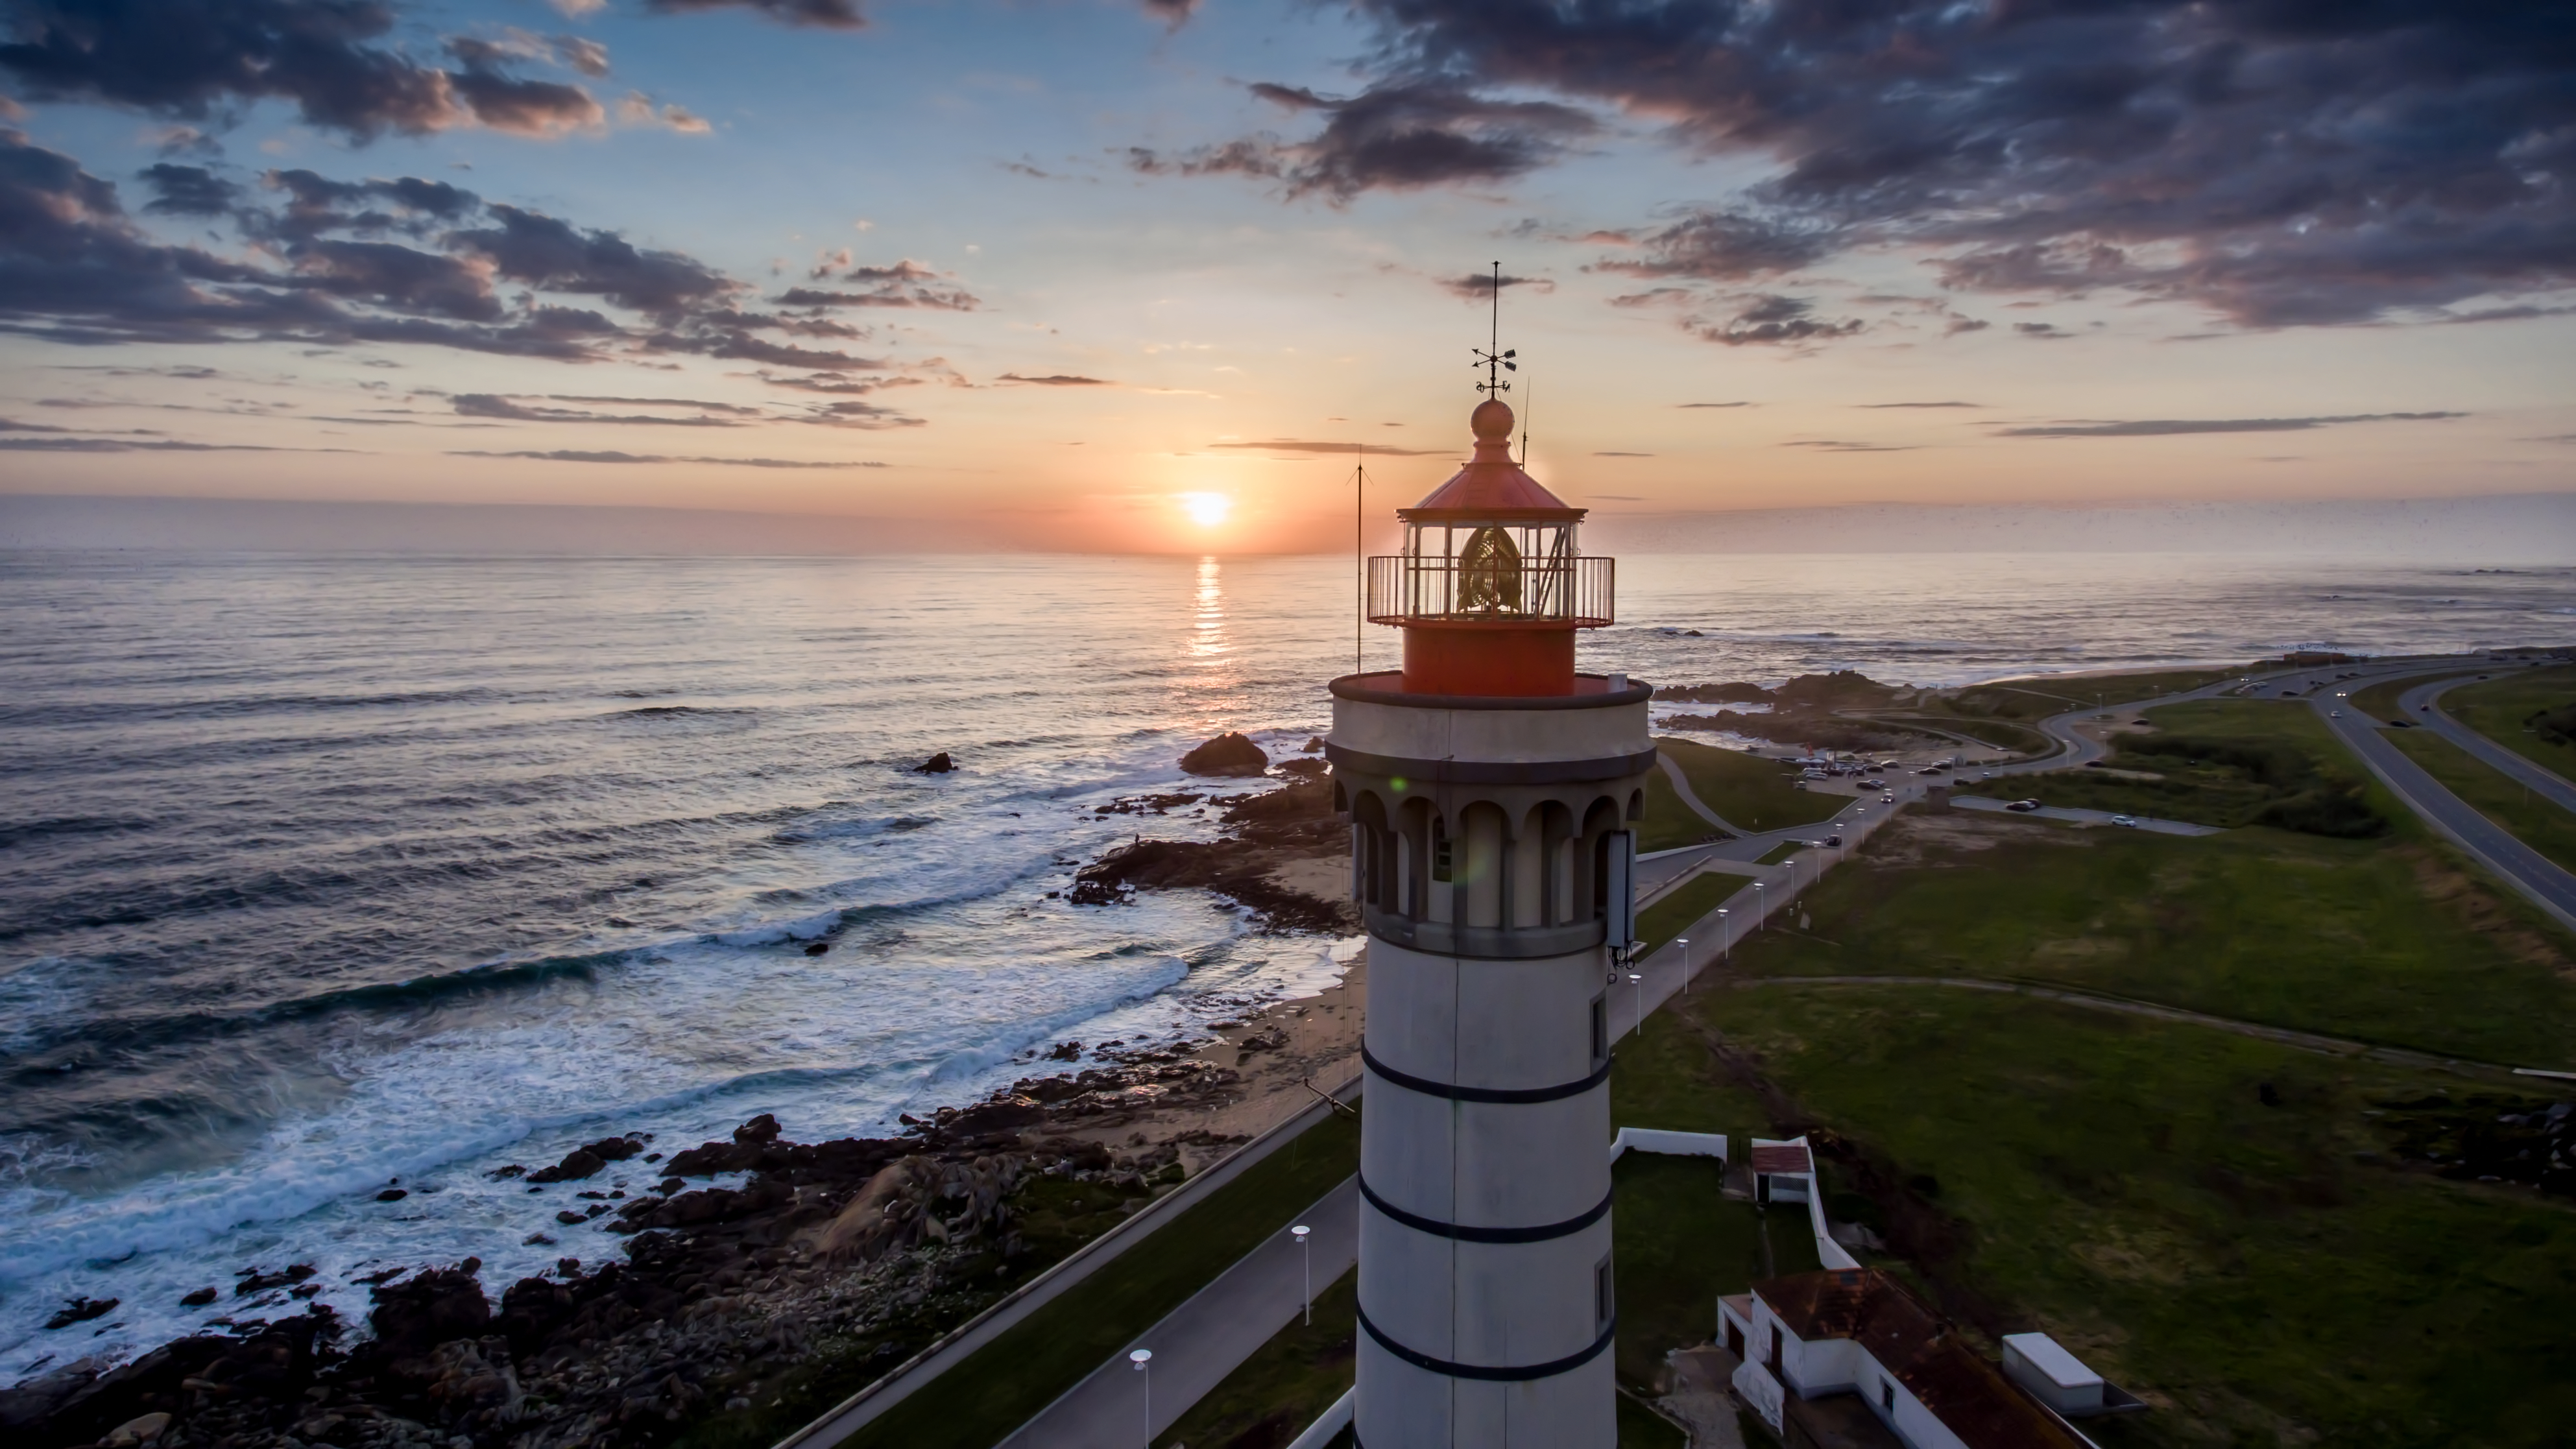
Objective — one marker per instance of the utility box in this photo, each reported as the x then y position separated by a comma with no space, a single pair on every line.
2053,1376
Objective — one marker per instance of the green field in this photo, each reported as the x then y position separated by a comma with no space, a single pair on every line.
1749,792
1670,823
2536,820
2502,708
2216,1223
2000,733
2038,698
2379,701
2378,940
1696,897
1021,1372
2229,763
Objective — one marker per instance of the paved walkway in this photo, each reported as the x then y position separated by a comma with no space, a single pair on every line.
1203,1340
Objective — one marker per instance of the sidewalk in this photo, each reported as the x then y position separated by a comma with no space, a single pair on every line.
1203,1340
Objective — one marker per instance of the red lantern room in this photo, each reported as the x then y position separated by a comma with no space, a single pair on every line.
1491,585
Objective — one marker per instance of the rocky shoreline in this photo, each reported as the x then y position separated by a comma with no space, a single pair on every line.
755,1281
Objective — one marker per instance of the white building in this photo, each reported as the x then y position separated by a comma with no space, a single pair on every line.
1847,1355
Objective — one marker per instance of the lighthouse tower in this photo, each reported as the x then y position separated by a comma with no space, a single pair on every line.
1490,789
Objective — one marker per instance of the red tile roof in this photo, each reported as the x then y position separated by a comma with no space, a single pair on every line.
1919,1350
1788,1157
1492,486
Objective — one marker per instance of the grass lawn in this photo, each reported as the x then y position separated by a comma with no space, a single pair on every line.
1748,791
1021,1372
2382,940
2539,823
1286,1385
2379,701
1670,823
2038,698
2217,1223
2225,763
2502,707
1678,1245
2002,734
1696,897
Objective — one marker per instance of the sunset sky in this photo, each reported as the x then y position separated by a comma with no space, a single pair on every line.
1111,274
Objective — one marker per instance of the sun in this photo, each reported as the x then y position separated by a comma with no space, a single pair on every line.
1207,510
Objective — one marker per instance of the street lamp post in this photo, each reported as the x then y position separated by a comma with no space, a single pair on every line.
1725,939
1761,917
1305,1236
1684,943
1141,1358
1638,980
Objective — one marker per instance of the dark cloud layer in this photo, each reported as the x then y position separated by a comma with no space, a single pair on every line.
824,14
1399,136
405,260
2170,427
2280,161
590,455
201,59
1773,321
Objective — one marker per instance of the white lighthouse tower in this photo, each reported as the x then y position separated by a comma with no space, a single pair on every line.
1490,789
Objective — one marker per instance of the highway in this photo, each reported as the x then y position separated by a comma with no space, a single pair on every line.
2423,704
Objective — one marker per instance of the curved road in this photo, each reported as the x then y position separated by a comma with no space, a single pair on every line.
2423,704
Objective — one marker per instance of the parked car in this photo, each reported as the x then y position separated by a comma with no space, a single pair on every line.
2025,806
1833,842
1929,770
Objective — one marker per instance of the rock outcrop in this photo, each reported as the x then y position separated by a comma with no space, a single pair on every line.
1229,754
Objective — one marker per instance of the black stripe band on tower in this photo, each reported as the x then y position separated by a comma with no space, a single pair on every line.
1485,1372
1431,1088
1465,1234
1488,772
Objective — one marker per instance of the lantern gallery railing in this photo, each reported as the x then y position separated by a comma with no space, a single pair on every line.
1414,589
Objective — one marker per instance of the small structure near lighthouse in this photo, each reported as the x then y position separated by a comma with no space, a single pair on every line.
1491,790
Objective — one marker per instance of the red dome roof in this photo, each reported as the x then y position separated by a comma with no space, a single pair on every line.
1491,486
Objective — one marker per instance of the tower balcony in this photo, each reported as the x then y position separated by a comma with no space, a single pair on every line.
1492,590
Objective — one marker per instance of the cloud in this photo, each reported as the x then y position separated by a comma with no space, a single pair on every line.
1623,455
1399,136
1718,405
1729,246
187,191
488,405
1057,379
1479,286
1293,445
578,9
821,14
142,445
2171,427
1833,446
637,110
1772,321
1174,13
344,263
583,54
2277,163
1920,405
581,455
906,283
202,59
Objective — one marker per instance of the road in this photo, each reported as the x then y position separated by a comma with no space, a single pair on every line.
1203,1340
2423,703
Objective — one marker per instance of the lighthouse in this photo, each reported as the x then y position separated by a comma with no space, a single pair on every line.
1492,790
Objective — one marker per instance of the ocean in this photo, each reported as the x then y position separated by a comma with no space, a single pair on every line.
322,876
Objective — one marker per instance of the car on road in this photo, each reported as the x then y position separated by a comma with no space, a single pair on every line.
2334,714
1833,842
2024,806
2131,821
1888,799
1929,770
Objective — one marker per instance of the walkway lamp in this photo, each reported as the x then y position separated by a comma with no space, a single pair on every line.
1638,980
1305,1241
1141,1358
1684,943
1725,939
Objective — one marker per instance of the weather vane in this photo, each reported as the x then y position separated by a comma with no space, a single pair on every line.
1492,357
